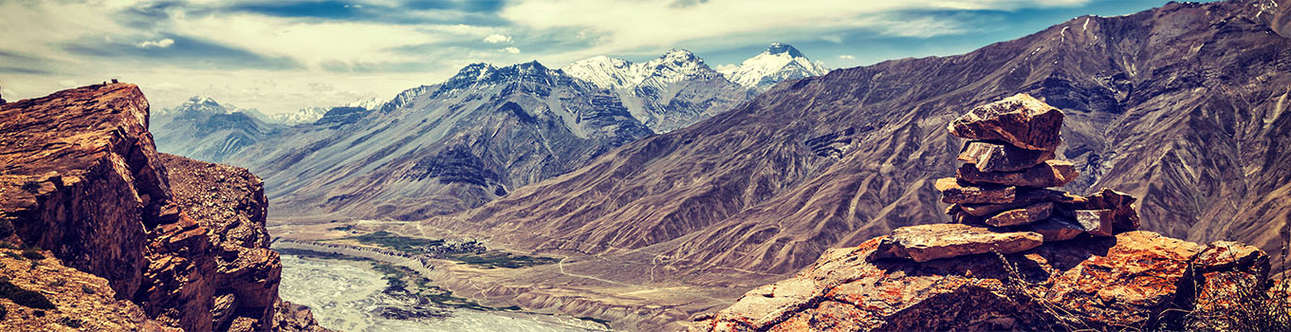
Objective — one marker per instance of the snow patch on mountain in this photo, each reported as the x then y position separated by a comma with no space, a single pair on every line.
780,62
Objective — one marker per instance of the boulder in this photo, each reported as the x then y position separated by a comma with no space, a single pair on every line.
924,243
1020,120
1029,214
953,191
989,156
1051,173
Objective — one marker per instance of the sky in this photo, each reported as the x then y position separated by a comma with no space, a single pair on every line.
282,55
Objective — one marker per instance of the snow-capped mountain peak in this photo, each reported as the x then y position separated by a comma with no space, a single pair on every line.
611,73
780,62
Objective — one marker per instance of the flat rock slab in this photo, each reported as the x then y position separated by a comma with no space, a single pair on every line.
956,192
1022,198
1020,120
928,242
1051,173
1029,214
989,156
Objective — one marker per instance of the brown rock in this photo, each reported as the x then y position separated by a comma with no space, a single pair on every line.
1052,173
1020,120
1127,282
1026,215
953,191
1096,222
935,241
988,156
1126,219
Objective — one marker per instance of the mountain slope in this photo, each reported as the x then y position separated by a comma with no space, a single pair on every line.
780,62
666,93
1183,105
442,148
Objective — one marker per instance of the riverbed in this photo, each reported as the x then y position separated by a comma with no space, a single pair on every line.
346,295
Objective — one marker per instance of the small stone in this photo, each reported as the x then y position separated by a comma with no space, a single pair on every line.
952,191
1096,222
1026,215
1020,120
1055,229
935,241
1052,173
998,157
1126,219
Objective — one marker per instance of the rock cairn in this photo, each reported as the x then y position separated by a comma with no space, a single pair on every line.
1000,198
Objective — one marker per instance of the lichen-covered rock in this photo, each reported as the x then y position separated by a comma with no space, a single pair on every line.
935,241
1020,120
1129,281
1052,173
988,156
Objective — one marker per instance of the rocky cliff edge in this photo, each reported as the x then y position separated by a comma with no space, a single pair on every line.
85,195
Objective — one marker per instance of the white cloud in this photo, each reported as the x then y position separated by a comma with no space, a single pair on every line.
836,39
163,43
846,57
650,24
309,42
497,38
511,50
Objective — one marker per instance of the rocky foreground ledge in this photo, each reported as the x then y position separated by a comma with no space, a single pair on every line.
95,237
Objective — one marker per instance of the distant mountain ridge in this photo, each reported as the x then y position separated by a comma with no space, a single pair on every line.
444,147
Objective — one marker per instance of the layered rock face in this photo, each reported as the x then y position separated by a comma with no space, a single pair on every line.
229,203
1065,267
81,178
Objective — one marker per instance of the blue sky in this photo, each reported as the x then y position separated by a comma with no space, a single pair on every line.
279,56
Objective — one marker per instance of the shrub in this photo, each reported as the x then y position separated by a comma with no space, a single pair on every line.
72,322
32,254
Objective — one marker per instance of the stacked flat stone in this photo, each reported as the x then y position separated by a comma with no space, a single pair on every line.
1000,198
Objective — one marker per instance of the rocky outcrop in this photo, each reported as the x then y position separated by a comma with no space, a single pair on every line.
229,203
81,178
1132,280
79,300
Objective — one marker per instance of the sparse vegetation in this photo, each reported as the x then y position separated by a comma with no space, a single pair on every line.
497,258
470,253
23,297
88,290
71,322
404,281
316,254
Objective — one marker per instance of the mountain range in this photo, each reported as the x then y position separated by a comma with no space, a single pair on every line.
1183,105
456,144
